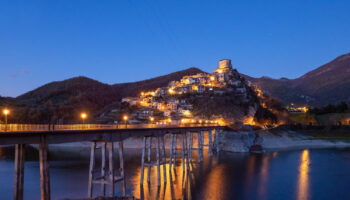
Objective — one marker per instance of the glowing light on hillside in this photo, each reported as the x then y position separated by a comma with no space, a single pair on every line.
187,113
212,78
143,103
195,87
299,109
259,92
249,121
151,119
304,109
221,122
171,91
161,107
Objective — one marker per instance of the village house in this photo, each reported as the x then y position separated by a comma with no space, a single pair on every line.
161,92
144,114
167,113
242,90
130,100
235,83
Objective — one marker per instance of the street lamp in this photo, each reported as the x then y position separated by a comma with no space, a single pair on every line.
151,119
6,112
83,116
125,118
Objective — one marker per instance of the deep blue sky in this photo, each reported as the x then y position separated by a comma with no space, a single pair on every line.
122,41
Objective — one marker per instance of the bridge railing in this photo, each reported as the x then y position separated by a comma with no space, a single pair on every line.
51,127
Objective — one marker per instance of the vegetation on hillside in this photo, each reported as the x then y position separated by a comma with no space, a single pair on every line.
342,107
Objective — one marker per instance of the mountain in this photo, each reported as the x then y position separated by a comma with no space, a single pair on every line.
66,99
327,84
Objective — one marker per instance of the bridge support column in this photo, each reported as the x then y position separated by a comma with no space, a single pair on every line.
174,150
106,176
44,171
160,158
200,141
19,171
217,141
210,141
210,138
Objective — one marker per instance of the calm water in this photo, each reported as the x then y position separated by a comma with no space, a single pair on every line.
305,174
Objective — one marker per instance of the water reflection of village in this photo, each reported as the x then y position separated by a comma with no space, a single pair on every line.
214,179
180,178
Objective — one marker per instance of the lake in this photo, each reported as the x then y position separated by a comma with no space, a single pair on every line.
298,174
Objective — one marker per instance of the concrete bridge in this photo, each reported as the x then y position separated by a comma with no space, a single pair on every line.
103,139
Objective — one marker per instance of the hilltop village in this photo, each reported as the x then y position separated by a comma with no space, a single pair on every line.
178,102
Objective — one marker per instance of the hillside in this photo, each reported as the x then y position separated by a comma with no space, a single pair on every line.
329,83
65,99
134,88
223,96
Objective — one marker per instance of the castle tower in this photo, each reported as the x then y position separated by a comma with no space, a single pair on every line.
225,64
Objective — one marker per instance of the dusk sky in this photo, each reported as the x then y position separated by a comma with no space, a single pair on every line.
123,41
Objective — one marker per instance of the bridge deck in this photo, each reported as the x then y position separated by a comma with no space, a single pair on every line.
90,134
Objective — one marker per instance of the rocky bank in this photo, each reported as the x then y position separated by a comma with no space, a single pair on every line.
241,141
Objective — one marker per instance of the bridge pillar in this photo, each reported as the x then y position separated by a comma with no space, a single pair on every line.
108,175
160,158
200,141
44,170
201,144
174,150
210,141
217,140
19,171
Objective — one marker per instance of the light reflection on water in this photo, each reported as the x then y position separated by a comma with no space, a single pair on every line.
303,178
276,175
174,189
180,181
263,178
